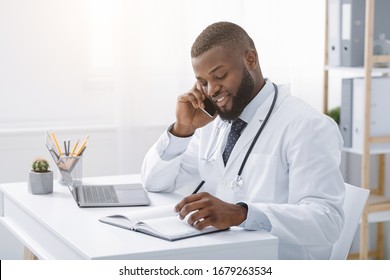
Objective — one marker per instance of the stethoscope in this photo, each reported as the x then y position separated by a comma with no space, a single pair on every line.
238,182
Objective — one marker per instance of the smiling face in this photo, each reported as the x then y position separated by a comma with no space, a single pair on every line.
226,79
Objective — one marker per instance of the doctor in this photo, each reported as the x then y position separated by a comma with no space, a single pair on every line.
282,175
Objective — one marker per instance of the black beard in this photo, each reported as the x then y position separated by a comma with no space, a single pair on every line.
241,99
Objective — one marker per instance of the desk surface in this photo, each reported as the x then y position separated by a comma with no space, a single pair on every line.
54,227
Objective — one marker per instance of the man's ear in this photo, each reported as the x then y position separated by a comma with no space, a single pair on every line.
251,59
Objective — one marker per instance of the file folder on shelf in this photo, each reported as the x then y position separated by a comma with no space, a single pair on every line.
346,27
352,113
346,112
334,35
352,32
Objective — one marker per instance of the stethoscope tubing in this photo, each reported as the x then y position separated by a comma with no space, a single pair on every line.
238,182
259,131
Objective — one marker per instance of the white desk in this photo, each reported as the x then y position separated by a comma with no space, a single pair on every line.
54,227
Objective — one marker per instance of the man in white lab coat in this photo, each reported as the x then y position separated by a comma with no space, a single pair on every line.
290,184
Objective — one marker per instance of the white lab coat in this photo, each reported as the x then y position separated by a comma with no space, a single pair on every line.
292,174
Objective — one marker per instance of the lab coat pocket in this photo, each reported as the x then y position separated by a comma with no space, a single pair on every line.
259,177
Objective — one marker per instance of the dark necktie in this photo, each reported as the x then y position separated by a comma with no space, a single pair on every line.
235,132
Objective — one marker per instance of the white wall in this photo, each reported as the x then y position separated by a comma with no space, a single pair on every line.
115,68
46,67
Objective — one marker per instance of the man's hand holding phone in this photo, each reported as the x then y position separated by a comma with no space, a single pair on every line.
193,110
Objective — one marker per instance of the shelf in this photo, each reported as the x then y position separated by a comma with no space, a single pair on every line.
385,149
358,70
378,217
381,139
378,145
381,59
377,199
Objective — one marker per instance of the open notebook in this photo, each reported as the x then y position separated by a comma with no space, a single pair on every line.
161,222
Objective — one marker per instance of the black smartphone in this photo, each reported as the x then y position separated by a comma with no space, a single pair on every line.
209,108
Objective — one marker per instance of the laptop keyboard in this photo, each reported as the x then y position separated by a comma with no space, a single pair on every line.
100,194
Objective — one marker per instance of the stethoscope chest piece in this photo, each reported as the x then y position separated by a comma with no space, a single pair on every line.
237,183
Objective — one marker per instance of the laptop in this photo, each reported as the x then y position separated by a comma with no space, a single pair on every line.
104,195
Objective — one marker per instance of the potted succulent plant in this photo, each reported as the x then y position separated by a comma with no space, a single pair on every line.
40,179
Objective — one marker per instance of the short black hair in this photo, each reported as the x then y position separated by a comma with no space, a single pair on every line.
225,34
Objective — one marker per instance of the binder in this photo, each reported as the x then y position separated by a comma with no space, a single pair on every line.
334,32
352,113
346,112
352,32
353,27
